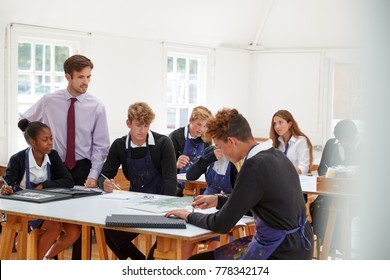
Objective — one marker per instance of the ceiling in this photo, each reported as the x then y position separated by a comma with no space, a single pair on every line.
258,24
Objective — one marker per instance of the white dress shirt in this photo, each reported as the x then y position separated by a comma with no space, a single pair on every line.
298,152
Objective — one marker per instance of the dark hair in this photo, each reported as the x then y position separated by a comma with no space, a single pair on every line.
294,130
228,123
31,129
76,62
345,129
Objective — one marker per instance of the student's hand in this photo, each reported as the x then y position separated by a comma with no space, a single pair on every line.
179,213
6,190
90,183
218,153
109,185
205,201
182,161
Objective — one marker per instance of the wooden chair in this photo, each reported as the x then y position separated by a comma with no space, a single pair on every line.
121,180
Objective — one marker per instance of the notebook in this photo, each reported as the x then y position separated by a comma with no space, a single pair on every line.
75,193
37,196
144,221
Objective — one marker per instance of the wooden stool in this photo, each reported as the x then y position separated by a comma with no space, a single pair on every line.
12,226
32,245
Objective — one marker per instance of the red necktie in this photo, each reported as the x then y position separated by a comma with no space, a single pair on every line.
70,159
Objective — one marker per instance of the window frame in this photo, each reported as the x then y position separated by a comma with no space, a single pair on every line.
79,42
204,56
350,57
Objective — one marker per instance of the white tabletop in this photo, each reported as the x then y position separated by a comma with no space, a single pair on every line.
93,211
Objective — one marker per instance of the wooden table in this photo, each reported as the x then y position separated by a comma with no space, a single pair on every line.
342,191
190,186
89,212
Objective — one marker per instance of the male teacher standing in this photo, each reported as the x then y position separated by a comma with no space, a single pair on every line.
79,125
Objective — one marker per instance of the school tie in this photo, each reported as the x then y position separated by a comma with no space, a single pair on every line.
70,159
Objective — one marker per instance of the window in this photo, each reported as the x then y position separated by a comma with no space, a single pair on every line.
40,70
347,93
186,75
37,55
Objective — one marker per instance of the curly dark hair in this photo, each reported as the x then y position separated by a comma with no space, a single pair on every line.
228,123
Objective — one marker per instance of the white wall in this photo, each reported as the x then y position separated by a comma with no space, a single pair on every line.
291,81
126,71
231,84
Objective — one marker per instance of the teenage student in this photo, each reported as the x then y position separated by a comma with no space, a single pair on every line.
287,137
40,167
188,143
219,172
148,162
81,132
267,184
344,150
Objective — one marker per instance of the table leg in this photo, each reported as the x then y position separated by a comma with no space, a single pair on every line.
85,242
168,249
101,243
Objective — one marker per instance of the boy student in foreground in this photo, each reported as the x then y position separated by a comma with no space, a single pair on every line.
81,132
40,167
148,162
188,142
267,184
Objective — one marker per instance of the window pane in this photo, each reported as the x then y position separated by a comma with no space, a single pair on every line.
181,68
47,50
348,92
40,87
24,84
170,64
39,57
193,70
170,91
171,118
192,93
24,56
61,54
183,117
59,82
180,93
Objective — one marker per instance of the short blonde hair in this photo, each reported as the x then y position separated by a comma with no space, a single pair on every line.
141,112
200,113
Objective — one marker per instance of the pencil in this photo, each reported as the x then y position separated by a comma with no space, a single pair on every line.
4,181
193,208
105,177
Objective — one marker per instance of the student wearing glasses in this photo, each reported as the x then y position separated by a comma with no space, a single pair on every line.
267,184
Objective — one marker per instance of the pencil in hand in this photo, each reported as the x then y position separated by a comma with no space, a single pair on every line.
194,195
105,177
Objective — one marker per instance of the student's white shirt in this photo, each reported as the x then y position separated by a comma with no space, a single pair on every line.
298,152
38,174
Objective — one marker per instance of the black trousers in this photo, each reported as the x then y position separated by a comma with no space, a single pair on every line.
120,243
79,174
